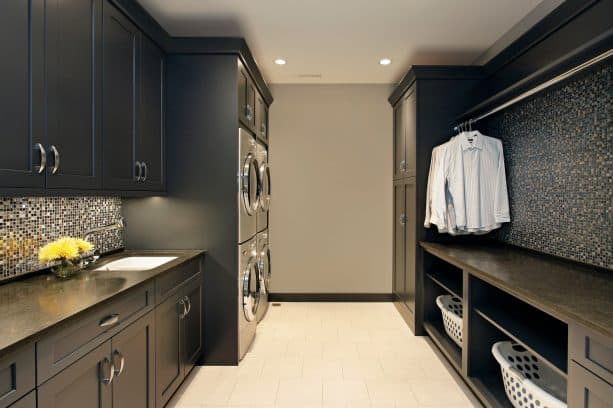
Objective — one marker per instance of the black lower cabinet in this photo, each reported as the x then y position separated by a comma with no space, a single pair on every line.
133,357
168,372
178,322
587,390
405,225
83,384
29,401
118,373
192,331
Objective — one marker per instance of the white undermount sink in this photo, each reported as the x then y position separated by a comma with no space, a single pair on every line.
136,263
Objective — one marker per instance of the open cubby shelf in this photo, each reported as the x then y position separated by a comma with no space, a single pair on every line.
438,335
544,344
453,286
542,334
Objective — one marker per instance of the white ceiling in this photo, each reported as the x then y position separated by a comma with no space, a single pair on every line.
343,40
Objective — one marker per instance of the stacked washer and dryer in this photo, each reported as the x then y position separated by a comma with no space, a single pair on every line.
253,246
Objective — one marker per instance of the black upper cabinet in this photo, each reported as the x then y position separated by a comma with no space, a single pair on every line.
261,119
246,99
73,143
120,90
400,163
150,144
21,93
405,130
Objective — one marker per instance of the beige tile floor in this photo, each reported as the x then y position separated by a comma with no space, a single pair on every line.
330,355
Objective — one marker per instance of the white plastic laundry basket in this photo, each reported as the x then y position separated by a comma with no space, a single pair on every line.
527,381
451,309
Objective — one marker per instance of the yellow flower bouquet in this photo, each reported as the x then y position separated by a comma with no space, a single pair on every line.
65,256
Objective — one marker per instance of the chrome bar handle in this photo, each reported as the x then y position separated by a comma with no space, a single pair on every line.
56,159
107,377
189,304
110,320
138,166
263,130
43,158
145,170
403,165
117,371
182,303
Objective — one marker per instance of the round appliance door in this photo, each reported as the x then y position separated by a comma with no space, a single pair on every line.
250,184
265,267
264,187
251,289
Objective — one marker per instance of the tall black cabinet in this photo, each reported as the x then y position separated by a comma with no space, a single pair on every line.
209,96
425,104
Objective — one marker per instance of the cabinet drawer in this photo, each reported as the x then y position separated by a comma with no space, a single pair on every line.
592,350
29,401
175,277
586,390
65,345
17,374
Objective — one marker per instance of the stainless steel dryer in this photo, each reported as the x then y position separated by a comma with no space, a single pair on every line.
263,247
264,186
248,189
248,294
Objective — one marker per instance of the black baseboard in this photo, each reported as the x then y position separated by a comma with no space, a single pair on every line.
330,297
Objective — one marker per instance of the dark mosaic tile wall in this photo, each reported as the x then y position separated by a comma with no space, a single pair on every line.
26,224
559,162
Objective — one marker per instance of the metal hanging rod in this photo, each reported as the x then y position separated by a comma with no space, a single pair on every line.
537,89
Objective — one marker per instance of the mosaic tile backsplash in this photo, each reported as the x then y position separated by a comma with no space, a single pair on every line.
26,224
559,162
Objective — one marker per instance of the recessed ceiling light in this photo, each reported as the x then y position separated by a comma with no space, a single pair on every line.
385,61
280,61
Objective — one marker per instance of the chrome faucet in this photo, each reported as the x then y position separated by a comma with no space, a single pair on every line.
119,224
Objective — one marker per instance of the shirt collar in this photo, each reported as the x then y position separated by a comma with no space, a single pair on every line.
477,140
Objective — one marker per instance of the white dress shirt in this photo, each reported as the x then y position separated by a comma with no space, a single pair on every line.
466,191
476,181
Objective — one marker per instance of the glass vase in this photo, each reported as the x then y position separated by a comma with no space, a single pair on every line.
66,269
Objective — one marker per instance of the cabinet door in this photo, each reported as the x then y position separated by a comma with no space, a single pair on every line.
73,93
134,360
192,326
410,132
120,46
21,93
168,358
399,233
150,147
409,244
29,401
251,92
261,118
586,390
243,81
81,384
399,150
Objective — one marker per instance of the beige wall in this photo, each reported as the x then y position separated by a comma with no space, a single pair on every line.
331,170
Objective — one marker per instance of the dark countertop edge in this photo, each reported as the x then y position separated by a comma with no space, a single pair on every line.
551,309
186,256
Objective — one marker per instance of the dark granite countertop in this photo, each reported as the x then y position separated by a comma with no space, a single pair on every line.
34,304
563,289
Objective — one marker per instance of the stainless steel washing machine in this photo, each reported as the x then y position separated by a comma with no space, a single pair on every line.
248,186
263,248
264,187
249,292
